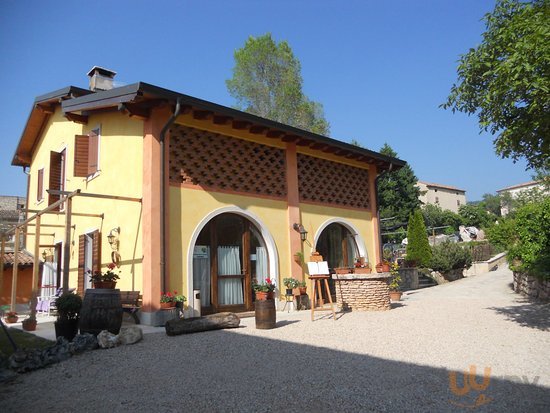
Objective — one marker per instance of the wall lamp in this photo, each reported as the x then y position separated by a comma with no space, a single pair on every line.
300,228
113,238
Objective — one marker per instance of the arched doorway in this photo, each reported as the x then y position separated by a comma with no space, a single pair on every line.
228,257
338,246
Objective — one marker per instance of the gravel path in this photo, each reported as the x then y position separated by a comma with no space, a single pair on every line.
396,360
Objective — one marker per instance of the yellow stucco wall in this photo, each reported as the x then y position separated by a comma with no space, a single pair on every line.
120,164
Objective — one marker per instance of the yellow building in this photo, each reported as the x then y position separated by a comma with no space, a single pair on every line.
195,196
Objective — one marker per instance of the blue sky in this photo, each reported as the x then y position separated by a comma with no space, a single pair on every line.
380,68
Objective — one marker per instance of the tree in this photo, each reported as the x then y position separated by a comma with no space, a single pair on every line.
434,216
506,81
492,203
397,191
418,247
475,216
267,82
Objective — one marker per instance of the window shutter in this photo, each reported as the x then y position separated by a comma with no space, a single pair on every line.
93,152
96,251
40,185
81,281
81,143
55,176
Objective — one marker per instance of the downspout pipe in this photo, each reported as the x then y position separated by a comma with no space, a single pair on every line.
165,129
378,209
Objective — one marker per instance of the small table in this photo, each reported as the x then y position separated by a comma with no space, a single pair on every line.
316,286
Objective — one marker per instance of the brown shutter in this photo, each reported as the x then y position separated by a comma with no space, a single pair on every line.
40,185
93,152
55,176
81,144
81,248
96,253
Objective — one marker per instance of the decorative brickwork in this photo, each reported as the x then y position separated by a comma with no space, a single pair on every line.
362,292
328,182
215,161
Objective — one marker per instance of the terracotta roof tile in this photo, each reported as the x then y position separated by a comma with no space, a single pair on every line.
25,258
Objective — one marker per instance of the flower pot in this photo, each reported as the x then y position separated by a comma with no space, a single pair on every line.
302,290
289,291
170,304
11,319
395,295
343,270
385,267
105,284
261,296
362,270
66,328
29,325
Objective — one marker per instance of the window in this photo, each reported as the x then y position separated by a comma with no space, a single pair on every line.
86,158
40,185
458,202
57,175
437,200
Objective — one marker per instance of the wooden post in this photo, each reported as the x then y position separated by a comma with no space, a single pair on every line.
35,267
14,271
2,251
67,245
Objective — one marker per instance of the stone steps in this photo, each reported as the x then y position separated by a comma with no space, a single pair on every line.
425,282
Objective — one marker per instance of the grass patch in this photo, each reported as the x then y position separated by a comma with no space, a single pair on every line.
22,339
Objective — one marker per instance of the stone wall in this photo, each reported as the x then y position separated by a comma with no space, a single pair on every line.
362,292
531,286
445,277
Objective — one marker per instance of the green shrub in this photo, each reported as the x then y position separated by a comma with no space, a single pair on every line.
450,256
529,239
418,248
501,234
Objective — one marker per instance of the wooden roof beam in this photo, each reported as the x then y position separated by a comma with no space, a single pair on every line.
134,111
257,129
273,133
304,142
73,117
221,120
47,109
330,149
290,138
240,124
202,114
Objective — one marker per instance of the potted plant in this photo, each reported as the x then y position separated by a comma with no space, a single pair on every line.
170,299
29,324
11,317
290,283
394,286
343,270
264,291
68,311
302,287
364,269
107,279
299,257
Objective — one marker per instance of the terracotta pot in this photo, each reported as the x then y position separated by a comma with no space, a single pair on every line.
363,270
343,270
171,304
385,267
302,290
395,295
29,325
11,319
379,267
261,296
105,284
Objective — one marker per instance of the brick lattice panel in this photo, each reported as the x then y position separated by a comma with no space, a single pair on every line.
328,182
215,161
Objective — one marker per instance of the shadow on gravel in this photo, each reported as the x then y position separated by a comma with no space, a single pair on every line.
286,322
227,371
532,314
397,305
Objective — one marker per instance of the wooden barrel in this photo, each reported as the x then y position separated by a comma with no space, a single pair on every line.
101,310
266,317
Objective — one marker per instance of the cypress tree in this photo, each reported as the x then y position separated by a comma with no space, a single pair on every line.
418,247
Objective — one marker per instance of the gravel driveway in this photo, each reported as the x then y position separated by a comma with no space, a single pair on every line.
398,360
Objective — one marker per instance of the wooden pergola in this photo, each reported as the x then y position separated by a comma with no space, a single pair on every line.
35,221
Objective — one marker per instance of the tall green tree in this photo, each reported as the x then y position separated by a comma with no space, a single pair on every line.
418,247
506,81
267,82
397,191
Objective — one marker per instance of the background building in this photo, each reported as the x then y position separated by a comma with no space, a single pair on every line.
445,196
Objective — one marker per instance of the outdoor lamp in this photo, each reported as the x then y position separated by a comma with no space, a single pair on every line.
300,228
113,239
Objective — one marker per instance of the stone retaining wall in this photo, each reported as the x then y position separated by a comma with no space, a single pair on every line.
531,286
362,292
409,278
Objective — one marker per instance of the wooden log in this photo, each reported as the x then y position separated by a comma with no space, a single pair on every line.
196,324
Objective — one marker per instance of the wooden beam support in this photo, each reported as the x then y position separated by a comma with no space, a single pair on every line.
202,114
290,138
304,142
75,214
318,146
330,149
73,117
90,195
14,271
273,133
257,129
35,268
221,120
67,245
2,251
240,124
47,109
134,111
48,225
